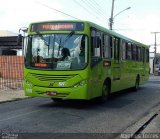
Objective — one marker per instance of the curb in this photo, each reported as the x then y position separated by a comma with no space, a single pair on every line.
139,126
14,99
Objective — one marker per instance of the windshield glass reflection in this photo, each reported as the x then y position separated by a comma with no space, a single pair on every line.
58,51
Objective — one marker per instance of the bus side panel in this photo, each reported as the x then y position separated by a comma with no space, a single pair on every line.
95,81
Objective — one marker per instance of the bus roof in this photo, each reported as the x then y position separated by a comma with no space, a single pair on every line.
91,24
115,34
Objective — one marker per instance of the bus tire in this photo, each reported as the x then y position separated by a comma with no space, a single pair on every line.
105,91
56,100
136,87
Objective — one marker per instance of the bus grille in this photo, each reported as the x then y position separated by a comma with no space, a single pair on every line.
52,78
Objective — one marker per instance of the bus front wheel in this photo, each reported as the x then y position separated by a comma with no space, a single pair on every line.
105,92
56,100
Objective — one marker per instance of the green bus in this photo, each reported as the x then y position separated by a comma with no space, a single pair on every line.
81,60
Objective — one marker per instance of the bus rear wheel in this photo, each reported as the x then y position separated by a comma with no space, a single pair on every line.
136,87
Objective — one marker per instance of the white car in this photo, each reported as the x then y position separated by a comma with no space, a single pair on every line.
157,69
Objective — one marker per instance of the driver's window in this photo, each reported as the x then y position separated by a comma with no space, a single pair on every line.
96,43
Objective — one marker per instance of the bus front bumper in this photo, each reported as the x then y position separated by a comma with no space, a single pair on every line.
64,93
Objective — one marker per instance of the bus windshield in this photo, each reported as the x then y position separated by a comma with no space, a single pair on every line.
57,51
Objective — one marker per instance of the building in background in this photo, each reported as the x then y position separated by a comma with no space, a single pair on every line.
11,63
157,64
154,62
8,43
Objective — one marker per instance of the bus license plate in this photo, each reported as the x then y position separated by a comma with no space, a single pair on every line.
51,93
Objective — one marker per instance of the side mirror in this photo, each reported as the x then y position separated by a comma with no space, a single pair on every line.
20,37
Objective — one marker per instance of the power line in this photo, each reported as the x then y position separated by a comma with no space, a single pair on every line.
93,6
57,10
91,13
102,2
99,7
64,12
96,11
78,3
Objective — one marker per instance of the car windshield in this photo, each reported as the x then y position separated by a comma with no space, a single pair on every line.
57,51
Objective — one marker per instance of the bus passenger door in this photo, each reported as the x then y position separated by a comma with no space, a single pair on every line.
96,64
116,65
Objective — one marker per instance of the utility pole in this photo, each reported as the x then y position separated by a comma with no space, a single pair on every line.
155,44
111,18
155,50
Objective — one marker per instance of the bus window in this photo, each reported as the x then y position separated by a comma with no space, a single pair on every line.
139,53
93,41
98,45
134,52
129,51
106,47
116,49
147,55
143,55
123,50
111,44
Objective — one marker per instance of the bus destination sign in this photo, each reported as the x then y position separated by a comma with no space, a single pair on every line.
57,26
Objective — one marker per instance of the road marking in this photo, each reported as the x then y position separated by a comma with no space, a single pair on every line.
19,115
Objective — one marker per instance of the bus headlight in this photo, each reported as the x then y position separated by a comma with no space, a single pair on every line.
81,83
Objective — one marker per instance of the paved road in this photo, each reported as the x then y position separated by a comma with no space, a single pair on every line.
39,115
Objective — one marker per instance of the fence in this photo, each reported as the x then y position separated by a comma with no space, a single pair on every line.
11,72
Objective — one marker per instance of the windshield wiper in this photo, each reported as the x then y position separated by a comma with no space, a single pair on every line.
41,36
66,39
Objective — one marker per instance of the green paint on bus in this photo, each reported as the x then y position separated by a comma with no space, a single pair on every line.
81,60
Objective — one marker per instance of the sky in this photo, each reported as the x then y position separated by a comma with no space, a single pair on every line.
136,23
